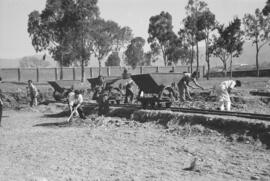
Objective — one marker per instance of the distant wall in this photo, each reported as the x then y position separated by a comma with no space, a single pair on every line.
243,73
50,74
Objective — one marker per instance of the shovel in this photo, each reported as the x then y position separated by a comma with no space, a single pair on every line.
71,115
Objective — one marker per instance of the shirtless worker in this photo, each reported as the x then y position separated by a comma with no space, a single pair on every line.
223,90
183,85
75,100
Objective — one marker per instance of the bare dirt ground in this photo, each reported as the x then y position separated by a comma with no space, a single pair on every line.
37,147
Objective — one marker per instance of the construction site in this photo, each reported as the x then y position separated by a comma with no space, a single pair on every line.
190,140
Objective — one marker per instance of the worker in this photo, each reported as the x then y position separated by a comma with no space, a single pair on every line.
129,92
101,82
183,85
75,100
103,102
125,74
99,87
223,90
33,93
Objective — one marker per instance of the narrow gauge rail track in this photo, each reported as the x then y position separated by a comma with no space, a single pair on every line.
265,117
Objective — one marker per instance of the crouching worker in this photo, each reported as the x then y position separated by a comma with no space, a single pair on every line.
33,93
223,90
183,85
75,100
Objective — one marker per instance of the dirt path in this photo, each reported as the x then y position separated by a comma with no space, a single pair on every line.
119,152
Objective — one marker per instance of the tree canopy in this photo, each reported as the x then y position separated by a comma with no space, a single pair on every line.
161,33
257,29
62,28
135,53
113,59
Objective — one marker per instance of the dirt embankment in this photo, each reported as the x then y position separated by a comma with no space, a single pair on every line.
37,144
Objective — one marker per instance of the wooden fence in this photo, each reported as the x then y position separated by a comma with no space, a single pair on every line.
74,73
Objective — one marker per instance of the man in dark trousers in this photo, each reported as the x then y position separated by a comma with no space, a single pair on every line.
183,85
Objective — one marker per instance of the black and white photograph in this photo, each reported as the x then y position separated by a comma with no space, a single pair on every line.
134,90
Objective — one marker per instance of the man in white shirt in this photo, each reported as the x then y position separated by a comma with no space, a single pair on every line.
33,93
223,90
75,100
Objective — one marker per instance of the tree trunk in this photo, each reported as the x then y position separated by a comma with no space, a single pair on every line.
164,57
82,67
192,58
197,58
225,68
61,67
207,58
257,59
99,67
231,67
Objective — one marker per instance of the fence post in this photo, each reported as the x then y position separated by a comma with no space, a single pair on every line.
55,73
157,69
203,72
37,74
19,74
173,69
108,71
91,72
141,69
188,69
74,75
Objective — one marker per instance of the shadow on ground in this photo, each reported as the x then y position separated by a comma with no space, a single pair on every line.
58,115
54,124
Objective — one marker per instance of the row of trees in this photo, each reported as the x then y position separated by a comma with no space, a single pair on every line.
73,31
200,25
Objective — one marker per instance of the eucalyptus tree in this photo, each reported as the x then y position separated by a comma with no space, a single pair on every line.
266,9
207,24
193,10
113,59
63,29
257,30
187,37
103,35
234,40
228,43
218,48
161,33
135,53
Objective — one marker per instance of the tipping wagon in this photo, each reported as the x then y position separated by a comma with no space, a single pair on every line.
62,88
113,88
157,89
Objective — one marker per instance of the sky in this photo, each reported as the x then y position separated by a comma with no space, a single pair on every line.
15,41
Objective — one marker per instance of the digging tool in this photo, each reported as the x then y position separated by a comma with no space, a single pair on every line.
71,115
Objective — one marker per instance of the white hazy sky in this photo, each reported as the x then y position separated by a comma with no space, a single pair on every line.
15,42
